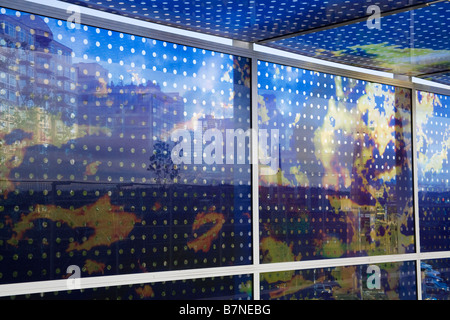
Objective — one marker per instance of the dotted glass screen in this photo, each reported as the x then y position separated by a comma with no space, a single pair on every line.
222,288
336,173
433,144
249,20
398,43
112,153
383,281
435,275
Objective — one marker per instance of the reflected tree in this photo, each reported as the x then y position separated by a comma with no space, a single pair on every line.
161,164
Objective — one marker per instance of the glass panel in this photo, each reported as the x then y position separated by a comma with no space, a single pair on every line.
110,153
435,279
223,288
433,142
335,178
443,77
398,43
384,281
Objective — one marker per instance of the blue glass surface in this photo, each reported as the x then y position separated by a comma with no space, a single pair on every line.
433,141
93,170
398,43
443,78
384,281
414,43
340,180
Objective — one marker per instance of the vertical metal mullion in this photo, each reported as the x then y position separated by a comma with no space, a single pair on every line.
416,189
255,175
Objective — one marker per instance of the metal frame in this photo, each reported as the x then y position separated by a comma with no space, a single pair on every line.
416,193
255,178
58,10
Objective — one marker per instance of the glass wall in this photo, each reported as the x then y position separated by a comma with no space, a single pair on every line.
113,153
341,185
125,155
387,281
433,144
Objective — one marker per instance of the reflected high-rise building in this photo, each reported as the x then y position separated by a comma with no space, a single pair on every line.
35,69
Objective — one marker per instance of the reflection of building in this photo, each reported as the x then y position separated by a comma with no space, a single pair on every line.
92,79
142,109
35,69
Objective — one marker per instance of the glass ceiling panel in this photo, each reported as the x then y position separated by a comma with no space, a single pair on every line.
246,20
443,78
413,43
